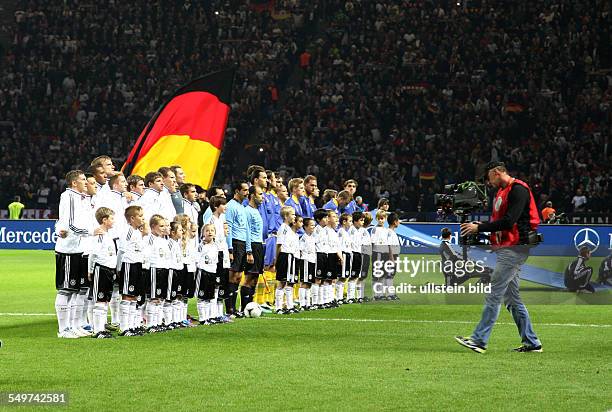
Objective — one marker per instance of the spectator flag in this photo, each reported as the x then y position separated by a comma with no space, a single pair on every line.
187,130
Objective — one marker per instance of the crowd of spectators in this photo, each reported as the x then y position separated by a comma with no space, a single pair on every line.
406,96
82,78
402,95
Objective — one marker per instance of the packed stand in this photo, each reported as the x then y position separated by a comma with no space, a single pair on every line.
407,96
84,77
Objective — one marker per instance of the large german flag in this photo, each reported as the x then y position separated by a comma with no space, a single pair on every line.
187,130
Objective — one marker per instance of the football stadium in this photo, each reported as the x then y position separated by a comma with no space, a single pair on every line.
306,205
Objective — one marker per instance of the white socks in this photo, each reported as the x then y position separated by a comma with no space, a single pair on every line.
76,310
350,290
152,308
167,312
177,307
133,321
129,315
339,289
100,314
314,290
360,289
289,296
85,308
62,309
220,308
124,315
302,297
278,298
114,305
90,307
201,305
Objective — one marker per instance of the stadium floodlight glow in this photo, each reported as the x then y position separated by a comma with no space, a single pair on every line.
261,149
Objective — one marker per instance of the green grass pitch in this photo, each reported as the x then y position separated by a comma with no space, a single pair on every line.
384,356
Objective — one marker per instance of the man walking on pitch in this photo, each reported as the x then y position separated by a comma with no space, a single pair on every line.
513,223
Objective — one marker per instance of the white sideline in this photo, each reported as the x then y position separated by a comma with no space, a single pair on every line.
461,322
456,322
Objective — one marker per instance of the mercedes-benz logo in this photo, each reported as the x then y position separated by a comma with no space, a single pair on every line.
586,237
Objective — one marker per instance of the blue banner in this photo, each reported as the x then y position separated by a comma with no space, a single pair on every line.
559,240
27,234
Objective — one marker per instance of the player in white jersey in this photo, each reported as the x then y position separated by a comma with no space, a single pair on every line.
334,260
356,236
157,258
104,169
136,188
346,247
168,192
208,255
394,251
189,245
318,288
380,254
101,270
366,257
72,227
150,201
129,270
114,199
307,264
174,299
191,207
287,247
84,303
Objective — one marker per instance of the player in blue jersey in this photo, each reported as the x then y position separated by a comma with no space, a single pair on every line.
307,202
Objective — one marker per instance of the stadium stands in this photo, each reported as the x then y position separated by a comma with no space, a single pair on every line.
403,96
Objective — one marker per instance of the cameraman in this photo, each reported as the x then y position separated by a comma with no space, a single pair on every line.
451,259
513,223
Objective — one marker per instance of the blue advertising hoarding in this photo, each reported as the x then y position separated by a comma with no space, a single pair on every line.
559,240
27,234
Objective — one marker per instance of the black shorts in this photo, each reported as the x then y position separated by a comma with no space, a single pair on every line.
345,271
68,270
102,284
321,272
158,288
379,270
355,265
365,266
222,278
84,280
239,253
176,279
189,282
130,279
204,285
306,270
334,267
144,286
256,268
285,268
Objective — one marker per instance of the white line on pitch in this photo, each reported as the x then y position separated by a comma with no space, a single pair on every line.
456,322
26,314
574,325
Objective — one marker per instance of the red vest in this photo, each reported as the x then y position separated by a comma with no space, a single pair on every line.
500,205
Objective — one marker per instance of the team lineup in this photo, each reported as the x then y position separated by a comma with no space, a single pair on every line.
143,246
